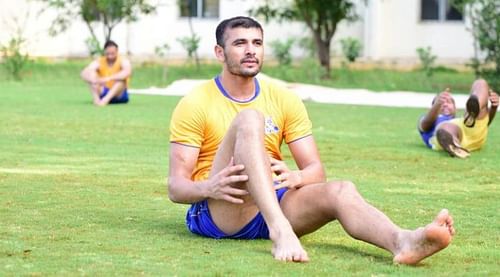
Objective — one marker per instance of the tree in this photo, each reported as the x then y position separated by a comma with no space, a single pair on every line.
105,13
484,17
320,16
190,43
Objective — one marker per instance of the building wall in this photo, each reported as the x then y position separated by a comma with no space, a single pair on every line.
394,31
388,29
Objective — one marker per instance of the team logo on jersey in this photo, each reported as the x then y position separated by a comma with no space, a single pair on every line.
271,128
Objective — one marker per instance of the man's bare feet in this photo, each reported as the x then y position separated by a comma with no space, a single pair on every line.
423,242
287,247
100,103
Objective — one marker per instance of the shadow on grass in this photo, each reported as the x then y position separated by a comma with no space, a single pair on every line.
339,249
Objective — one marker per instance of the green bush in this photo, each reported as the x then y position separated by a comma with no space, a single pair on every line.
282,50
484,17
351,48
94,47
308,45
13,60
190,44
427,60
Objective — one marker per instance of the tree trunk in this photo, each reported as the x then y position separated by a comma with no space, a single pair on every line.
324,54
191,29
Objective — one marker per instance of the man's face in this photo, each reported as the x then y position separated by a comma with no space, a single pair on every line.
111,53
448,107
243,51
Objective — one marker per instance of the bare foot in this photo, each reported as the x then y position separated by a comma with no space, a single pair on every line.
100,104
423,242
287,247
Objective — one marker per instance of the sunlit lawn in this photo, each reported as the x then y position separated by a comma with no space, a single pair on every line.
82,190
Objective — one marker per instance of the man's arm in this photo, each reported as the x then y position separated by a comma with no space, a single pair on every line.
432,114
494,106
89,73
306,156
181,189
124,73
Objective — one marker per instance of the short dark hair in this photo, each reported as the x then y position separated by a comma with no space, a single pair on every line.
110,43
235,22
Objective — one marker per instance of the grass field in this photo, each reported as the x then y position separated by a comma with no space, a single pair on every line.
82,189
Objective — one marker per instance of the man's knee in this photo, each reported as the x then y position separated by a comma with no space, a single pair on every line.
250,119
481,88
341,189
250,115
480,82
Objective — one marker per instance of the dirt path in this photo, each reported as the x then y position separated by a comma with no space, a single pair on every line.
324,94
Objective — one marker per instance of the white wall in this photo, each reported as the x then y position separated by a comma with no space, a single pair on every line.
388,29
395,31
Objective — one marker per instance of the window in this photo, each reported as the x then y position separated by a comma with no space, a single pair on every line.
199,8
440,10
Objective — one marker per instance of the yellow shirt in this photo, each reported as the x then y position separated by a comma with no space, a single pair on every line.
472,138
105,70
202,117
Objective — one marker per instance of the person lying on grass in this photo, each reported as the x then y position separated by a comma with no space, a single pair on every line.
440,130
225,146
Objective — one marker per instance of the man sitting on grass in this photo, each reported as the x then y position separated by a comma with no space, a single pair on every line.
225,145
108,76
460,136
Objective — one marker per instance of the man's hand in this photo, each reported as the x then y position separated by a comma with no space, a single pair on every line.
493,99
285,177
102,81
443,97
220,184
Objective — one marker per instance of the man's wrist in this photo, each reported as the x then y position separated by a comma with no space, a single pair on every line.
298,173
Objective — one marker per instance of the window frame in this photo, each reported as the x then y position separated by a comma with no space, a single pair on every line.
442,6
200,5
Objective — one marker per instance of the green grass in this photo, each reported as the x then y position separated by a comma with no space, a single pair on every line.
147,74
82,189
375,79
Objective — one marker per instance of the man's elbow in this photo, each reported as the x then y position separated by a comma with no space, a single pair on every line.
172,193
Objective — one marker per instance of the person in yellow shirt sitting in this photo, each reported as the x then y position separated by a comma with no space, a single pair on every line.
108,76
226,162
460,136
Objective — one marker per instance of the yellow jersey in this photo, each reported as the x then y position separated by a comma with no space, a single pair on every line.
473,138
202,117
106,70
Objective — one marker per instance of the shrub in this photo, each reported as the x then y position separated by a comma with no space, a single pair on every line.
427,60
13,60
94,47
190,44
281,50
308,45
351,48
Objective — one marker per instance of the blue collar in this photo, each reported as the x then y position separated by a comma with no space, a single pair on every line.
224,92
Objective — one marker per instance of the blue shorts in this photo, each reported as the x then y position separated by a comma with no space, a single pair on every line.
115,100
426,136
199,221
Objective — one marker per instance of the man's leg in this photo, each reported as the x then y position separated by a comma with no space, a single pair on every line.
449,137
244,141
115,91
477,104
95,90
312,206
